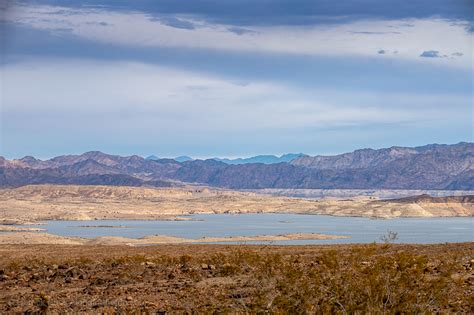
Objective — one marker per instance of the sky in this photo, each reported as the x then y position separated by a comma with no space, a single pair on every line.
233,78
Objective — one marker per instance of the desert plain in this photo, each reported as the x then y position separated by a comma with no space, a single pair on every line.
160,274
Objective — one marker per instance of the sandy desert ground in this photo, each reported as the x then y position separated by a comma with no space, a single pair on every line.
56,202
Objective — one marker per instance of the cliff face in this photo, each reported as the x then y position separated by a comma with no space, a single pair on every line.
452,159
427,167
436,166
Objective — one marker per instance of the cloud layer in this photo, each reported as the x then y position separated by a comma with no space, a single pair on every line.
227,78
92,97
408,38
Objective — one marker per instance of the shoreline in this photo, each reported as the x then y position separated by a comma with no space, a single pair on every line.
39,238
84,203
185,217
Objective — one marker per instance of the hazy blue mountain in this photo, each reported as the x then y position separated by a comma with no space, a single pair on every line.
152,157
264,159
183,158
180,159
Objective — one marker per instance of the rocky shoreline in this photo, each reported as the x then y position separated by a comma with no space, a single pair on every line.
28,238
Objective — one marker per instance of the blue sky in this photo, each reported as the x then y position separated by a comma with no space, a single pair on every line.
233,78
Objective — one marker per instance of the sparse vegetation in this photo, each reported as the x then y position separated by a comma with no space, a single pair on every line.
42,303
248,279
390,237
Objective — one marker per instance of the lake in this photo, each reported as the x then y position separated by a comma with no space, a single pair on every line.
361,230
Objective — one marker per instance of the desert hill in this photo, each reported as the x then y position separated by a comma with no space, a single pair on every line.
79,202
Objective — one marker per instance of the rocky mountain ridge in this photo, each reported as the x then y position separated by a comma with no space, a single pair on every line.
427,167
264,159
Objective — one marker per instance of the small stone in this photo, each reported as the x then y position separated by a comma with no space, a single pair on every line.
82,276
129,298
150,304
235,295
204,266
469,280
34,277
212,267
73,272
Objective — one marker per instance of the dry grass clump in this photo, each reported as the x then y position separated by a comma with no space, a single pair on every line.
371,278
249,279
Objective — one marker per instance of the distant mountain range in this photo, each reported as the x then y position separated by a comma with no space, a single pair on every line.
428,167
182,158
265,159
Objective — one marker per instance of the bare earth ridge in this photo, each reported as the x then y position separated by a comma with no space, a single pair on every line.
69,202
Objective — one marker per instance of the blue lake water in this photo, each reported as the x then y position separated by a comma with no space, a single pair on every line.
361,230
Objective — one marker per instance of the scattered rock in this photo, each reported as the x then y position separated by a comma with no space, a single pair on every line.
150,304
98,281
208,267
72,272
89,290
470,280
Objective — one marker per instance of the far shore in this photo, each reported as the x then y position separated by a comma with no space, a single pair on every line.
8,228
31,204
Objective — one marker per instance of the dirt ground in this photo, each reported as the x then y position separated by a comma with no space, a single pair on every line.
237,279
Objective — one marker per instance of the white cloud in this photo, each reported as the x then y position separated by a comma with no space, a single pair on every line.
82,93
403,39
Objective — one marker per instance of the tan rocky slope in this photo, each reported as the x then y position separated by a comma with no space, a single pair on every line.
56,202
